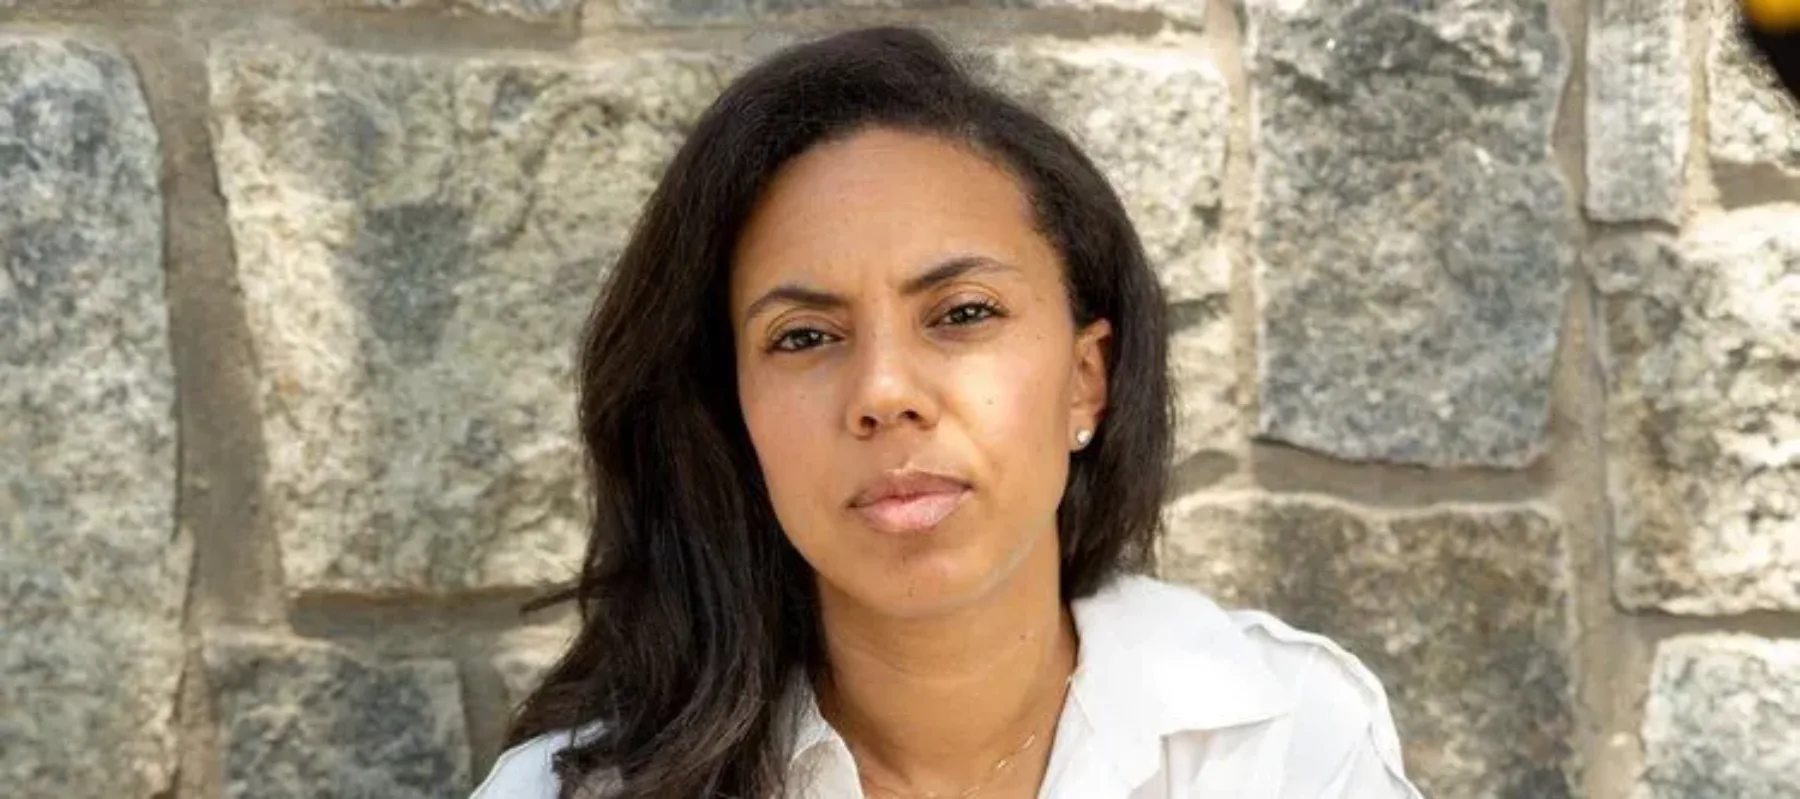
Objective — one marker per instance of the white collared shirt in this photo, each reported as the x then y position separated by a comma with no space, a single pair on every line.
1173,698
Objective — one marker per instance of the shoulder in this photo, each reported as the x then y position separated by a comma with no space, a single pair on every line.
527,771
1342,740
1335,695
524,771
1154,612
1329,706
1318,674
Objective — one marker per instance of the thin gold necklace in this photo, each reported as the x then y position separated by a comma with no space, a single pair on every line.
993,774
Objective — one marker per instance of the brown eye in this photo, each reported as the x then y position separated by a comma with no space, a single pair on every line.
969,313
800,340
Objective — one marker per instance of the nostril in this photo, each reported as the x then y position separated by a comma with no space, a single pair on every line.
868,423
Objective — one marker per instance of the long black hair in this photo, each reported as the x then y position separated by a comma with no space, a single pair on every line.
696,611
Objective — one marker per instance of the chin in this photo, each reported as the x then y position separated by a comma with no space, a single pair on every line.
932,583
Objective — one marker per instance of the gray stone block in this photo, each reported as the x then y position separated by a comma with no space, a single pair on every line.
93,571
1704,413
524,10
1411,233
1750,120
419,241
691,12
1203,368
301,719
533,11
1723,719
1464,614
1639,108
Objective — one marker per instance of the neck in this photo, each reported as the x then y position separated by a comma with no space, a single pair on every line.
931,705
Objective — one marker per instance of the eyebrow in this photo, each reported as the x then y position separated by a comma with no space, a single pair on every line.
946,271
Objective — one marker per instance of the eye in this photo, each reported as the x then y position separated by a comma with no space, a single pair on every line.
800,339
969,313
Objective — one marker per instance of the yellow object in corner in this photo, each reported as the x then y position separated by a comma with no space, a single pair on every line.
1774,16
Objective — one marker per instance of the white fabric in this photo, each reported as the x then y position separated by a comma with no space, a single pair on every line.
1173,698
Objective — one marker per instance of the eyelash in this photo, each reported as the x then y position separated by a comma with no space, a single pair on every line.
780,342
986,309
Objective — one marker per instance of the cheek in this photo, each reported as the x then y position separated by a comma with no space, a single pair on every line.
784,418
1018,407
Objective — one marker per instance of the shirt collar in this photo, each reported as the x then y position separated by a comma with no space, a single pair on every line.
811,730
1154,660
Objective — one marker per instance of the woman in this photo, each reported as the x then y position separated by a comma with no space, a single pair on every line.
876,413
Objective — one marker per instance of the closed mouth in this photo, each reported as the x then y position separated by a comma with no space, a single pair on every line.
909,501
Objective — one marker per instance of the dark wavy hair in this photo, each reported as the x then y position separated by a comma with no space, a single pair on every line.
696,611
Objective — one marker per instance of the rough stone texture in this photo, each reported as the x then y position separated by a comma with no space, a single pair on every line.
297,717
1203,366
418,242
93,571
1412,234
1751,121
524,655
688,12
536,11
1723,719
1638,107
1705,413
1463,614
65,4
1156,122
525,10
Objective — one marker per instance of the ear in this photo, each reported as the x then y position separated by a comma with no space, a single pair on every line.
1088,388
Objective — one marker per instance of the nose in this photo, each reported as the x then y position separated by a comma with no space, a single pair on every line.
889,388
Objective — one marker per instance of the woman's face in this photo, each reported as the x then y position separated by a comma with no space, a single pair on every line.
909,370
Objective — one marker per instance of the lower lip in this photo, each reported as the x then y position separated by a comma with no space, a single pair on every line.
915,514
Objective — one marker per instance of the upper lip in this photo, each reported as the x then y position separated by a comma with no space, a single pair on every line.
905,483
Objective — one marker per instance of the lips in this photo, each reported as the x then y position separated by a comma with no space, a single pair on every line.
908,501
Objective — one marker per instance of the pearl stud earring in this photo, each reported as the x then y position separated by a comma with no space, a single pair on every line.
1082,437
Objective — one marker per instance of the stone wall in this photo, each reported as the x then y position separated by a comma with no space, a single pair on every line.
1488,346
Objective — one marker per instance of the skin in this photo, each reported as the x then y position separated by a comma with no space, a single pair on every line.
895,308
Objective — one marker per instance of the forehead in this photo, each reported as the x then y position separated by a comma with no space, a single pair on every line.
883,201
